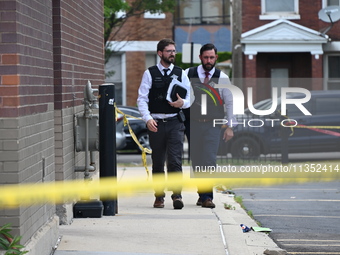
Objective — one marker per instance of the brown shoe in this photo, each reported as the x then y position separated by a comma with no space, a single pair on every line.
208,203
199,202
159,202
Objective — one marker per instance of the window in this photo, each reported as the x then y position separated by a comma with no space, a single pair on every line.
150,60
149,15
198,12
274,9
113,72
332,2
326,3
332,75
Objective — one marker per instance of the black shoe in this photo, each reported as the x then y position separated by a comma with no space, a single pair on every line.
177,202
199,202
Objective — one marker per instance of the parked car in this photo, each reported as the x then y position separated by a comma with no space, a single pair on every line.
137,125
251,142
120,136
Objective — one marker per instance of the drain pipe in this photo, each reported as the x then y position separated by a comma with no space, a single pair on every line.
87,164
90,102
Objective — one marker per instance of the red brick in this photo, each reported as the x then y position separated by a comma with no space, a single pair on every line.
10,101
8,90
10,80
10,59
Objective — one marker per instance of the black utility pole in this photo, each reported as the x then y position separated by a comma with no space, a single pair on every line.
107,140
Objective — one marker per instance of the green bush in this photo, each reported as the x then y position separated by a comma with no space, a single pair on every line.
9,243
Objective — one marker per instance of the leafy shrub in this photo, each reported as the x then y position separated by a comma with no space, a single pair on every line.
9,243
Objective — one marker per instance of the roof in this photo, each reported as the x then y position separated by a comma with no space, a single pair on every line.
283,36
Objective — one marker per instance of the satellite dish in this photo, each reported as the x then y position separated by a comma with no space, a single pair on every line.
330,14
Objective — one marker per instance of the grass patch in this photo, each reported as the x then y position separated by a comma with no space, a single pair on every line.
228,206
239,200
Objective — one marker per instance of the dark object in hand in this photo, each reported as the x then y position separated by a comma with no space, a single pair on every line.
177,89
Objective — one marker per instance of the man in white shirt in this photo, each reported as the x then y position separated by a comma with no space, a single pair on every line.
203,137
165,129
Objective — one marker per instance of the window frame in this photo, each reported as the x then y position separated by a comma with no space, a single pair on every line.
120,92
202,20
149,15
324,3
279,15
326,73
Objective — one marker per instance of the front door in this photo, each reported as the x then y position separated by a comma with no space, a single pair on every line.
279,78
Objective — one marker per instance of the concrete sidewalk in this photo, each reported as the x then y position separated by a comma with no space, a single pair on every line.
140,229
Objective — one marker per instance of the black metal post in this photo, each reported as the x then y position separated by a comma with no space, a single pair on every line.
107,140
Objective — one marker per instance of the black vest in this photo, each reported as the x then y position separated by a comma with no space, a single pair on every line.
215,104
159,88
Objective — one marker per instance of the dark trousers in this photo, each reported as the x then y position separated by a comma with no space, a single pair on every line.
167,146
204,145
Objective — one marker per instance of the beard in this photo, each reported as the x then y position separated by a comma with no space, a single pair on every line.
169,60
208,67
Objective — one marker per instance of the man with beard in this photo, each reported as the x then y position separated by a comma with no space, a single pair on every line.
165,129
204,137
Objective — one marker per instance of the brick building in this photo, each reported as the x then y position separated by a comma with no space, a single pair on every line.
136,49
135,44
283,45
48,52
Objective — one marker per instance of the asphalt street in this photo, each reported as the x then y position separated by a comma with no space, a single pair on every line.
304,218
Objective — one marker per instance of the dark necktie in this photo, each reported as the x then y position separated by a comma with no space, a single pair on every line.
165,72
206,79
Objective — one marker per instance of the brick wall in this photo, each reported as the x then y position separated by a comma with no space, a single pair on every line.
26,107
48,51
26,49
79,57
78,49
27,156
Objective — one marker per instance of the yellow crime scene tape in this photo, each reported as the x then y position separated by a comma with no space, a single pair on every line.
320,129
13,196
143,149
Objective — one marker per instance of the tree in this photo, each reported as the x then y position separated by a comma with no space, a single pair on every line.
112,19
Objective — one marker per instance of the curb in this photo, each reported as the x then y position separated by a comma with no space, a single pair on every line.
238,242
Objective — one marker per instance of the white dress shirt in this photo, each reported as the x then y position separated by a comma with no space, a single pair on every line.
143,94
225,93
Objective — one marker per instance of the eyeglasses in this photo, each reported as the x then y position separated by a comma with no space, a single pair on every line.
170,51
